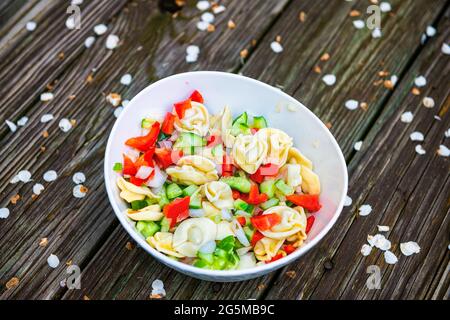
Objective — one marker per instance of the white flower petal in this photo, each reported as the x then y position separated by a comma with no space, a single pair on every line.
428,102
65,125
445,48
359,24
420,81
89,41
31,25
24,176
407,117
100,29
46,96
383,228
50,176
366,250
276,47
126,79
112,41
4,213
46,118
420,150
409,248
203,5
416,136
207,17
79,191
351,104
202,25
38,188
53,261
118,111
78,177
22,121
329,79
11,125
385,7
348,201
358,145
376,33
443,151
431,31
390,258
365,210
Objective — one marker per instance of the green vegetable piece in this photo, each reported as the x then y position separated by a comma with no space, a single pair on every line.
240,204
238,183
163,200
259,122
284,188
249,232
147,228
243,118
219,252
219,263
290,204
188,139
146,123
165,224
199,263
162,136
233,261
227,244
195,201
190,190
173,191
138,204
268,187
118,167
269,203
207,257
240,128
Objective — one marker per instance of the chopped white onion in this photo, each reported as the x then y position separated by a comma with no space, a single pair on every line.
243,250
208,247
165,144
132,154
226,215
157,190
144,172
219,169
158,179
196,213
174,136
239,233
243,213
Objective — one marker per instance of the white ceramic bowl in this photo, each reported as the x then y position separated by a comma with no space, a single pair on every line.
240,94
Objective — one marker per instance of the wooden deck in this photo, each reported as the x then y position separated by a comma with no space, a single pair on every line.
407,191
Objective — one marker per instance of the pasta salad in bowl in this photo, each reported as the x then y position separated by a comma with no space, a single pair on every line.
217,194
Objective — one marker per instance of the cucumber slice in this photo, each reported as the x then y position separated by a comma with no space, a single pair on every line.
268,187
163,198
284,188
207,257
146,123
217,151
238,183
201,264
242,205
249,232
165,224
147,228
188,139
259,122
243,118
173,191
190,190
240,128
269,203
195,202
138,204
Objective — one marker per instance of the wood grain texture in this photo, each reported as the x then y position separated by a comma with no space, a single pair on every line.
76,228
85,231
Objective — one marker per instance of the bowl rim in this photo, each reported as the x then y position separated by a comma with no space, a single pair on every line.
190,269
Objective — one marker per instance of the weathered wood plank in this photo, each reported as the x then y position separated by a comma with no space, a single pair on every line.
319,16
401,187
76,227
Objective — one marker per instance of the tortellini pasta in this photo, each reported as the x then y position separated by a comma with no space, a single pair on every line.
278,145
209,209
310,181
219,194
195,120
224,230
295,156
149,213
267,248
162,241
130,192
221,126
193,169
249,152
292,222
192,233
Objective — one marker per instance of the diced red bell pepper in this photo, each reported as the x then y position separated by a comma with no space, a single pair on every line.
227,165
257,177
266,221
177,210
144,143
254,197
275,258
167,157
308,201
254,130
196,96
128,166
258,211
167,125
309,223
236,194
227,174
288,248
136,181
181,107
241,221
256,237
269,169
148,156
